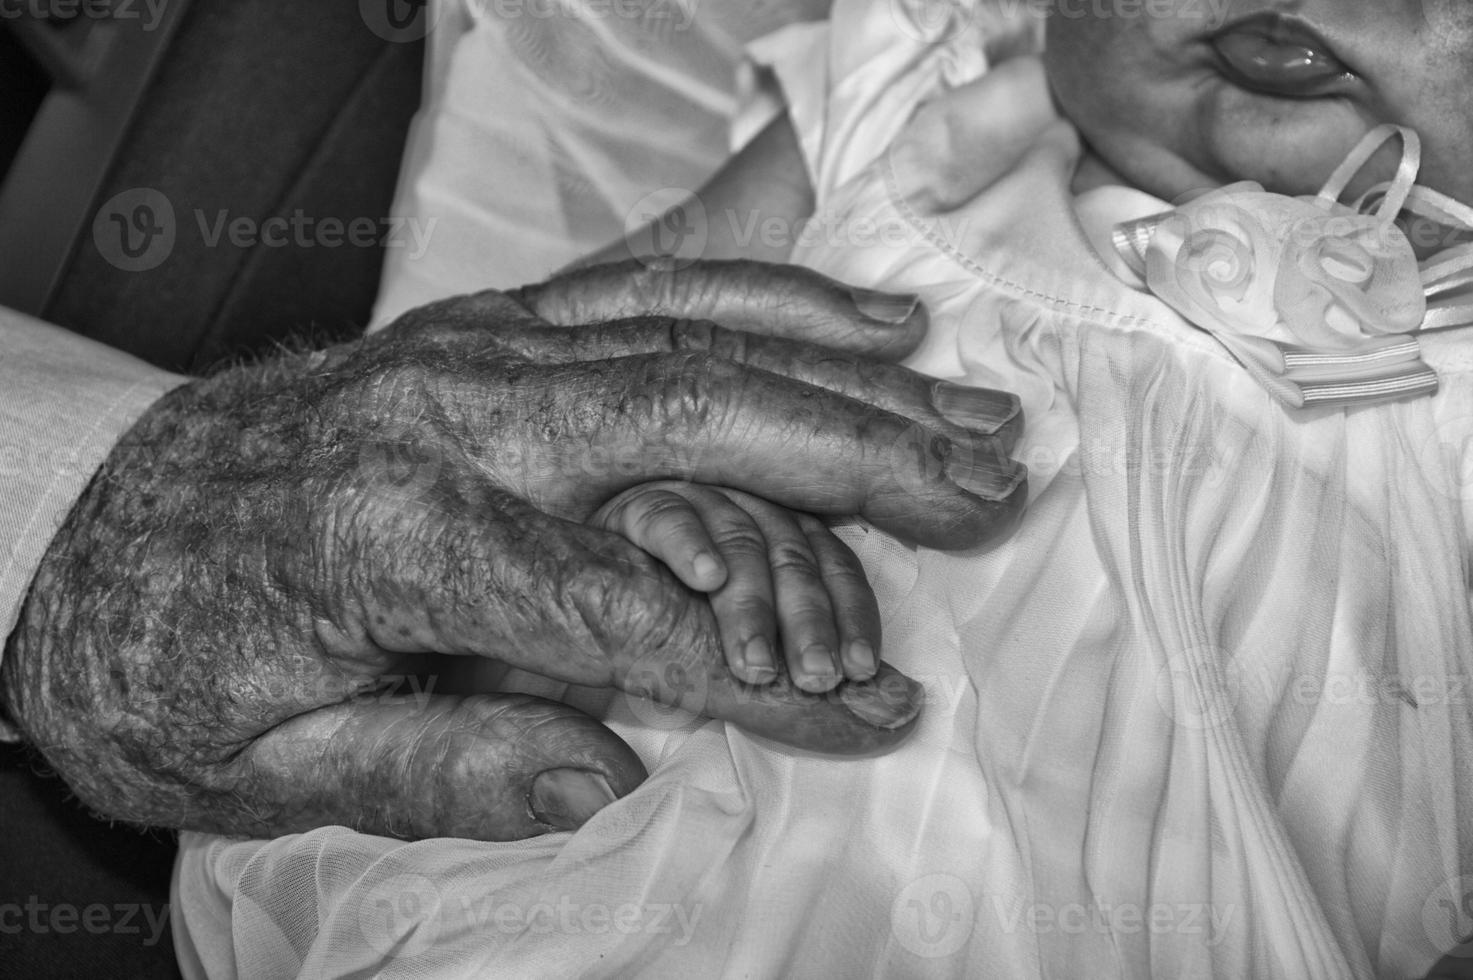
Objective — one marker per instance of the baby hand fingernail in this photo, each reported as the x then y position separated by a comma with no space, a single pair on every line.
884,307
859,660
707,569
758,654
818,661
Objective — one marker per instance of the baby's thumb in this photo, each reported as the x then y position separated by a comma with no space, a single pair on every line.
487,767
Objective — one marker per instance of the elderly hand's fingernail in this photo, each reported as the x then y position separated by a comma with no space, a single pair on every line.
979,409
884,307
567,798
889,701
991,476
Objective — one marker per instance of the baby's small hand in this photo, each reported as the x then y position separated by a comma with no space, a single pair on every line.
771,573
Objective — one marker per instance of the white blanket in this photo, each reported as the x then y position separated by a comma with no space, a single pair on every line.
1206,714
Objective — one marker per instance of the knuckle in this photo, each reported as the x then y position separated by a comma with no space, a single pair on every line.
390,382
842,570
658,511
792,558
833,554
709,337
451,322
692,388
741,540
692,335
876,375
441,322
750,607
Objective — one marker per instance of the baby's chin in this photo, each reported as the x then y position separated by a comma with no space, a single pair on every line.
1290,146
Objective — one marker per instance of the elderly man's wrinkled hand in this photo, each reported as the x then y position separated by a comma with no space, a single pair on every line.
211,639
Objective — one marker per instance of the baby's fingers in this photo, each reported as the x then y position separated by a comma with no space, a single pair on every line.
826,610
689,527
856,613
781,586
660,518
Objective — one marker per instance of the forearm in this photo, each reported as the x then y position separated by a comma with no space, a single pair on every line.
87,678
754,208
66,402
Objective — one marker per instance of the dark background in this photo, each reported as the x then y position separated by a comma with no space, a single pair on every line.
256,107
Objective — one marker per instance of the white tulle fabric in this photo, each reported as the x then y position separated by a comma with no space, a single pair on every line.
1205,715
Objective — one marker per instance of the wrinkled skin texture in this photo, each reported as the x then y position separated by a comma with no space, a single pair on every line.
212,639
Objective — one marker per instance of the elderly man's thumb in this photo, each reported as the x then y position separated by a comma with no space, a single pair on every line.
487,767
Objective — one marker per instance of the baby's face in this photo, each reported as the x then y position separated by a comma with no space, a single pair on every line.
1177,95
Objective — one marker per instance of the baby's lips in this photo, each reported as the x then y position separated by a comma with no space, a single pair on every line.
1280,56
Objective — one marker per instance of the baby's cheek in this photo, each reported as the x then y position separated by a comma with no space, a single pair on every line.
1427,82
1288,148
1443,118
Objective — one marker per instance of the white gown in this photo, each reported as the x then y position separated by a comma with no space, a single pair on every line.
1206,714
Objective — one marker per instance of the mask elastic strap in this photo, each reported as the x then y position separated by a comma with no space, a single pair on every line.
1400,186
